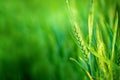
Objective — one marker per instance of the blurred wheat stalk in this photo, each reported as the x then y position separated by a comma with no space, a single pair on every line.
99,61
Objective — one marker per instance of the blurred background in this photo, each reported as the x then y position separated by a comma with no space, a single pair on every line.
36,41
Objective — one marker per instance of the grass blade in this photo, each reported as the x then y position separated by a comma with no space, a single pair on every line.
114,37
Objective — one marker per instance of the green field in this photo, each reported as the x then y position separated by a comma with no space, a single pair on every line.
59,40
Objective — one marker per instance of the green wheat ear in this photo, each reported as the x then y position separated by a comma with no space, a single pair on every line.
78,35
101,50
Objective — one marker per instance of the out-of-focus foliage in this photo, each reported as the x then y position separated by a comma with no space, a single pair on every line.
35,43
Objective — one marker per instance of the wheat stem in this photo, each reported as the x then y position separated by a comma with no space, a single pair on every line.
90,27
